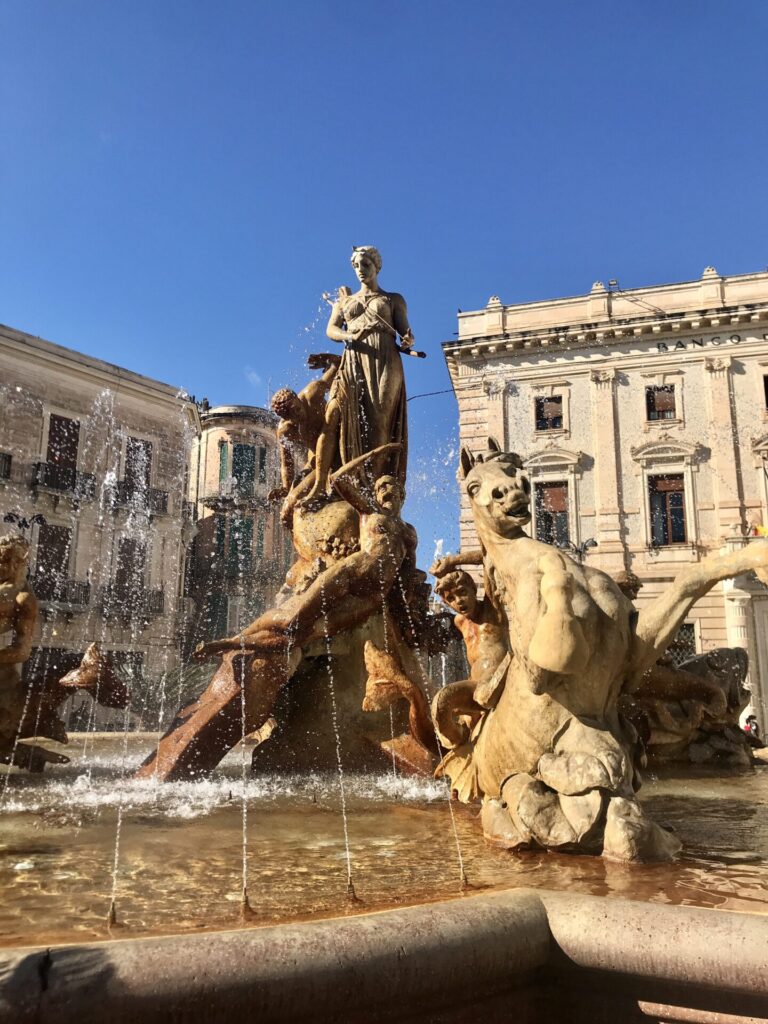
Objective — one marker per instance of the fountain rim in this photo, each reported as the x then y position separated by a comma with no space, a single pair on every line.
449,951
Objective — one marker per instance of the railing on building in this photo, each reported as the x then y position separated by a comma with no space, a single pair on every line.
123,494
117,603
5,465
52,477
233,493
72,593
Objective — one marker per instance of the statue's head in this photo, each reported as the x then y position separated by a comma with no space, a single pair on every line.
285,403
14,552
498,489
366,259
389,494
459,591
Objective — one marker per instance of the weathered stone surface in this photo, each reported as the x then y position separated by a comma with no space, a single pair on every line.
554,741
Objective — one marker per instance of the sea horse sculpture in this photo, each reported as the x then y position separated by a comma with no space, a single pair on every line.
553,759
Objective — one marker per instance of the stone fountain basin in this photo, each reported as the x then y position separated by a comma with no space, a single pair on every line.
524,956
180,857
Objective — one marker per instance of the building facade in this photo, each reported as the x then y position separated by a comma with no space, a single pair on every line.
94,467
146,512
241,552
642,420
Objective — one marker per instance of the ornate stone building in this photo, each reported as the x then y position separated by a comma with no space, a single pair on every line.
642,417
94,464
147,513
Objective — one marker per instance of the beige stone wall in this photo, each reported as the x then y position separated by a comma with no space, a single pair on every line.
38,379
599,352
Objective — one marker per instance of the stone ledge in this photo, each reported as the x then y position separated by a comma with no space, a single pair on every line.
534,957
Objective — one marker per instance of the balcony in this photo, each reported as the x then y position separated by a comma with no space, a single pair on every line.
48,476
138,604
5,465
233,493
124,494
71,594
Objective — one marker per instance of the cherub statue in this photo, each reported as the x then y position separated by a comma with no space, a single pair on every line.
484,634
302,417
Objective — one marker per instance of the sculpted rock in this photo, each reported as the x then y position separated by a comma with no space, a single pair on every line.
690,712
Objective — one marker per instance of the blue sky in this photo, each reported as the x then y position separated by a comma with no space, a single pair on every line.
181,181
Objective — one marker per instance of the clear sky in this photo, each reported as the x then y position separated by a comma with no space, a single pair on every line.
181,180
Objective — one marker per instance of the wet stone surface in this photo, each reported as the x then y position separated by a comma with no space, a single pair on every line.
180,865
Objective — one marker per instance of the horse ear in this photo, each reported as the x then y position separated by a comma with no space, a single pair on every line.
467,460
493,445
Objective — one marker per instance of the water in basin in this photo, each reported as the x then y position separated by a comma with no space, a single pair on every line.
180,859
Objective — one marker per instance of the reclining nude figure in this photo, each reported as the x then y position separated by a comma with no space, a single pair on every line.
554,759
349,591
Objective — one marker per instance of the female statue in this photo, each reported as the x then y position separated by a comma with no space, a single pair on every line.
366,406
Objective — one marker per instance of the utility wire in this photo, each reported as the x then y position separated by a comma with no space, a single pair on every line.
428,394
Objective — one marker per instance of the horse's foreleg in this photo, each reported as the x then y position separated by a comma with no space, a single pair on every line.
658,623
558,643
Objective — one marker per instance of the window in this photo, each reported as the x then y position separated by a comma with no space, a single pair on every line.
549,413
129,574
683,647
223,461
551,508
262,465
667,499
660,402
765,390
240,546
138,465
260,539
63,439
219,534
244,468
53,546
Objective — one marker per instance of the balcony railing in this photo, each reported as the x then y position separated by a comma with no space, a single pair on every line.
52,477
74,593
124,494
5,465
117,603
231,492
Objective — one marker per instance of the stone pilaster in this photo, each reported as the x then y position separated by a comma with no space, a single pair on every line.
725,456
609,555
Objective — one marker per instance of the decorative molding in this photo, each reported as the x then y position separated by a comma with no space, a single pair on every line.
551,387
666,449
603,377
717,364
553,457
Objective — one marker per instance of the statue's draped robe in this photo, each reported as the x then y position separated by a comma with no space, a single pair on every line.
370,385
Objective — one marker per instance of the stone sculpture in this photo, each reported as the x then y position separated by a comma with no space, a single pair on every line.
366,407
302,418
354,581
30,708
18,615
690,712
554,760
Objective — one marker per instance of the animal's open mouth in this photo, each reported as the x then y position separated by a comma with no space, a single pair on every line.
515,510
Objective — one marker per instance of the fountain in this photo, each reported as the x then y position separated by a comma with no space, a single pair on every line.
323,774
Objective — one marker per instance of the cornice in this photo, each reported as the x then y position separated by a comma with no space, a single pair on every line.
583,336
